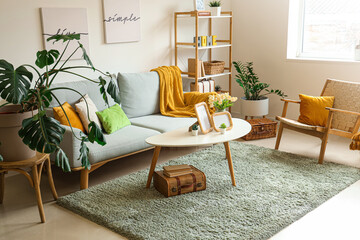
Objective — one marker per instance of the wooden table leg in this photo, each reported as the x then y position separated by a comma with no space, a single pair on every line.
231,168
2,186
153,165
35,176
50,178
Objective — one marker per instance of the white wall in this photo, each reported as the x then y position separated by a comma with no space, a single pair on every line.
20,27
260,28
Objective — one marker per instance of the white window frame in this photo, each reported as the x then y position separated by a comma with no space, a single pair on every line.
296,35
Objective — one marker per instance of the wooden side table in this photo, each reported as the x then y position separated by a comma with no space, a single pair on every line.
36,164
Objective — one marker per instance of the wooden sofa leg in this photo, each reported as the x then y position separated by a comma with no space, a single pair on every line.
84,179
278,138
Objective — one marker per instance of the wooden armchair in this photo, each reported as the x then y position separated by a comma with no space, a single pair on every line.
343,119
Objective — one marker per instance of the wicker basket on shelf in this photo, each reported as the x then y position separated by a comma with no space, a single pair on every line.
214,67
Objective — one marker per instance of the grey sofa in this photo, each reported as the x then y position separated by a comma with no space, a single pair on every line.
139,96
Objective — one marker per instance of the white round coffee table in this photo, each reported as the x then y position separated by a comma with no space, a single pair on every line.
182,138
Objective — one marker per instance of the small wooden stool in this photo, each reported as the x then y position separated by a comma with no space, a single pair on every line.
36,163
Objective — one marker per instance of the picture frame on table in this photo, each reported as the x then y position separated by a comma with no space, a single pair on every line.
221,117
204,118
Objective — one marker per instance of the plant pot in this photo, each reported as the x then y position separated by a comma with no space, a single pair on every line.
215,11
194,132
222,130
254,107
12,148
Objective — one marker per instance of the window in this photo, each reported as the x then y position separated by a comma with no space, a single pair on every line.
323,28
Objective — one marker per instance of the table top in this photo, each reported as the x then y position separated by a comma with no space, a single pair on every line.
183,138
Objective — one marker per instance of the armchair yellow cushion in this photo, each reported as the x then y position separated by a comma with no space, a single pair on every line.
72,115
312,109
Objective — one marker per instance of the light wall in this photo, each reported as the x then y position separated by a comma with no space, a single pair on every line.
260,35
20,26
260,28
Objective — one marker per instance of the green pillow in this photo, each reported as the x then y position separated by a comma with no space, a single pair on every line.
113,119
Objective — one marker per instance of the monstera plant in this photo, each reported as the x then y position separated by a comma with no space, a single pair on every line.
30,87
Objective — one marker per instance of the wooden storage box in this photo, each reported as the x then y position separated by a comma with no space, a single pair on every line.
261,128
173,186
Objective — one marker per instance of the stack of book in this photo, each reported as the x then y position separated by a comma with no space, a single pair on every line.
177,170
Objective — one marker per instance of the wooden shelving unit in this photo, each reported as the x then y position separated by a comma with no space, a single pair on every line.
222,43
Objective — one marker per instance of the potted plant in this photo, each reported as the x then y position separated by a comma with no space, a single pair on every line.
221,101
195,130
254,103
218,89
215,7
31,95
223,128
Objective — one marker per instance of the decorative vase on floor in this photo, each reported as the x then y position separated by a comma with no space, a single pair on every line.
215,11
12,148
255,107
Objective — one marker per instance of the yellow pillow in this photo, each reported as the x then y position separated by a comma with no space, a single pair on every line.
72,115
312,109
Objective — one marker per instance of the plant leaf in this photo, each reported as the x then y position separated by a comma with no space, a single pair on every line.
42,133
102,84
14,83
46,58
62,160
113,91
84,154
86,57
64,37
95,134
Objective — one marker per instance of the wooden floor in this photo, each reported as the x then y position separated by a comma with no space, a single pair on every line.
19,218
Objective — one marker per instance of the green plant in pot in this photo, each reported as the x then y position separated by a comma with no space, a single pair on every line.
223,128
215,7
28,88
195,129
255,102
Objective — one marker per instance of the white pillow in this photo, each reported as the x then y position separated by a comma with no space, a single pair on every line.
81,109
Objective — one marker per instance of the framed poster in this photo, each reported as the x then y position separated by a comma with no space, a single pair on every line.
65,21
122,21
203,117
199,5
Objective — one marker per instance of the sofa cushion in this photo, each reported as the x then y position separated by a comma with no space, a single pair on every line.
84,87
127,140
162,123
139,93
113,119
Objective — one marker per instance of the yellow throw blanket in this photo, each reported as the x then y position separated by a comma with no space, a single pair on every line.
355,143
173,102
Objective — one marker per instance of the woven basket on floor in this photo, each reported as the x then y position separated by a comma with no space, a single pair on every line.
214,67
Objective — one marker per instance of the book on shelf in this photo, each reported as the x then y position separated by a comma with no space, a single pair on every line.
204,13
191,68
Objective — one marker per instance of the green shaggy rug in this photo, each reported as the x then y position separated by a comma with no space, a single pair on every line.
273,190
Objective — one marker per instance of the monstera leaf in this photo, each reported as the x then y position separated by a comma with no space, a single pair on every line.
86,57
102,84
64,37
42,133
95,134
14,83
113,91
46,58
62,160
84,152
